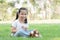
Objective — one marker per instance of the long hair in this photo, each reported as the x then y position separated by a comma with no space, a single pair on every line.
25,21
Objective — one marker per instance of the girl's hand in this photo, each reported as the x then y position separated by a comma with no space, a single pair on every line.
13,29
25,28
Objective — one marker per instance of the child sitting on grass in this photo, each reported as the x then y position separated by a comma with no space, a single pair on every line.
20,25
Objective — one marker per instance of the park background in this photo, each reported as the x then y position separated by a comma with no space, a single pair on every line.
44,15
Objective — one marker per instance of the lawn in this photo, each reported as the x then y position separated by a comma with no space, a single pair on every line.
48,32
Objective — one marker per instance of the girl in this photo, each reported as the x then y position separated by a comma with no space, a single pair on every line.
20,25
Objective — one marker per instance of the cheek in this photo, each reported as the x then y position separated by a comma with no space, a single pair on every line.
19,15
22,16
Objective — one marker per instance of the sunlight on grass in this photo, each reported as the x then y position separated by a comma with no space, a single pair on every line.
56,38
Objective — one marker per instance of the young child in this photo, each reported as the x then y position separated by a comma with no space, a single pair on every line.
20,25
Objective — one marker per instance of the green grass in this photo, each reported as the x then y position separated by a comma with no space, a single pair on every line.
48,32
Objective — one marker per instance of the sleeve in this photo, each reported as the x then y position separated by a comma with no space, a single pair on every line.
14,24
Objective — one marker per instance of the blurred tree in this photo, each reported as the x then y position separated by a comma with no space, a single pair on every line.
3,8
45,9
2,1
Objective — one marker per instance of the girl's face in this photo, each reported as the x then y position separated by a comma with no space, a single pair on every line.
23,14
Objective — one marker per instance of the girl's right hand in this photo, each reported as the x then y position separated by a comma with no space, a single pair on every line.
13,29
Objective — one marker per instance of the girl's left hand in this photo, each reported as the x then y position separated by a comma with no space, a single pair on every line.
25,28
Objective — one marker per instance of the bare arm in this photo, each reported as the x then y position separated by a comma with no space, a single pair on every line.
13,29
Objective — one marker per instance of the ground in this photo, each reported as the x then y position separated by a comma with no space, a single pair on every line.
48,32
